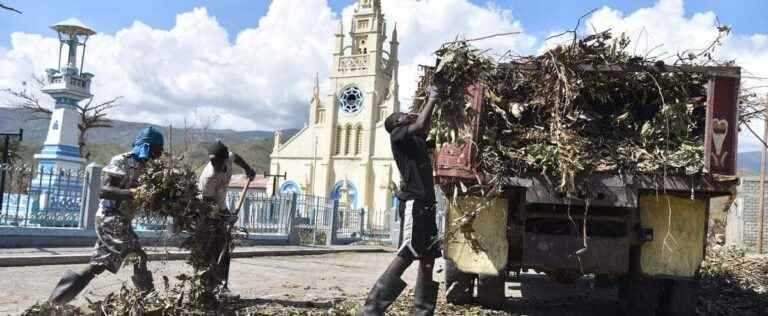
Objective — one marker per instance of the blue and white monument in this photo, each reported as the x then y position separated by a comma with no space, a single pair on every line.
56,190
68,85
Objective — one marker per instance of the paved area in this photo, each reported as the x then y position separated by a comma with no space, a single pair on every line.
312,278
13,257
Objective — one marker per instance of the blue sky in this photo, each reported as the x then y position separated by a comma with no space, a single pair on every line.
538,17
244,61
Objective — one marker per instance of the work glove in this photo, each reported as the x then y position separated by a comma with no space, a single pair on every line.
229,217
432,93
250,174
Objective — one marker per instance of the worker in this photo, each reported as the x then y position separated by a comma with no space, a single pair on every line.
213,184
419,240
115,236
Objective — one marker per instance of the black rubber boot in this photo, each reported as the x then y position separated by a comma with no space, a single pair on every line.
69,286
225,294
387,288
142,280
425,298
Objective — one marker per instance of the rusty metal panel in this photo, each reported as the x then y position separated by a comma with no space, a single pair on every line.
458,160
721,133
606,190
553,252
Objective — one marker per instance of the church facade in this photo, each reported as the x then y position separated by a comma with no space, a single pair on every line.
343,152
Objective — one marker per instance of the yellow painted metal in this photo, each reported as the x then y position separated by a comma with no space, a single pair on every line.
678,227
489,230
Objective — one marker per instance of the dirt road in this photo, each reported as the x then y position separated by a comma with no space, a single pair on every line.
302,280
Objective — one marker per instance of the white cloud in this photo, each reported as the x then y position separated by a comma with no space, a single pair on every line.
424,25
260,78
666,29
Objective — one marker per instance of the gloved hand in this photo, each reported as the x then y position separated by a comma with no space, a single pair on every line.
230,218
250,173
432,93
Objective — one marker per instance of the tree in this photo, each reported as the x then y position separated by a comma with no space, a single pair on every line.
9,8
92,114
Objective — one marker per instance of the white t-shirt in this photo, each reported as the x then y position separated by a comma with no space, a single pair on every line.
214,184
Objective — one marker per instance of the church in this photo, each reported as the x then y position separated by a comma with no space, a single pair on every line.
343,152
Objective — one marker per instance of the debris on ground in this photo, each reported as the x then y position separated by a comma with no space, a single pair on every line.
733,282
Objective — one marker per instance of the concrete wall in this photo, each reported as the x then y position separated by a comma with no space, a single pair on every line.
742,219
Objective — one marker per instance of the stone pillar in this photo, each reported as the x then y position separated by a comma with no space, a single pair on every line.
332,230
90,197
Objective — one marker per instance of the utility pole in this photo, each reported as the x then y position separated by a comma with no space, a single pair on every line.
4,166
761,191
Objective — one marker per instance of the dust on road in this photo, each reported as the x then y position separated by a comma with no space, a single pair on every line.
311,285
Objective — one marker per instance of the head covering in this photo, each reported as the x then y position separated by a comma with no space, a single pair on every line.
218,149
147,137
393,120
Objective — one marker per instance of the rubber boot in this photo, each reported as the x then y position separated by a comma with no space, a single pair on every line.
69,286
225,294
425,298
142,280
387,288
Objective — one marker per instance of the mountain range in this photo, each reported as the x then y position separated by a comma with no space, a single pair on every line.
256,144
103,143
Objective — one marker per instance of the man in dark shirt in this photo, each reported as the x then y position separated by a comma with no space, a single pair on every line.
408,135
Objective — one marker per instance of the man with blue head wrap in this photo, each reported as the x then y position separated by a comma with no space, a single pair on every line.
116,238
148,144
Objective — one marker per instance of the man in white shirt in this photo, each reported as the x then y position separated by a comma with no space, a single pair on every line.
213,184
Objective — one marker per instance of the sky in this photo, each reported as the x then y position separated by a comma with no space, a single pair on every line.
250,64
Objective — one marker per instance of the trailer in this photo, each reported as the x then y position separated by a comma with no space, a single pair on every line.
647,232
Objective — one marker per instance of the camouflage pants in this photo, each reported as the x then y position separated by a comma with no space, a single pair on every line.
116,240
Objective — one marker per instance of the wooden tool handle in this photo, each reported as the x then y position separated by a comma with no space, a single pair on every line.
242,197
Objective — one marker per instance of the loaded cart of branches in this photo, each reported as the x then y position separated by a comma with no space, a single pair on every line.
585,160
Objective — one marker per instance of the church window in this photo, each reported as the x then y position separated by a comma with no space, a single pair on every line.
362,24
320,116
358,140
347,140
338,140
351,99
382,114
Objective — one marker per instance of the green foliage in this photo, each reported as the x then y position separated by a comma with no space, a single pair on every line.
16,150
549,114
102,152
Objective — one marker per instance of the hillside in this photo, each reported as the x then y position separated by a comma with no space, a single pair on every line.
749,162
103,143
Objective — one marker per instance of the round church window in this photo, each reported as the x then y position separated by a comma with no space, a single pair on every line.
351,100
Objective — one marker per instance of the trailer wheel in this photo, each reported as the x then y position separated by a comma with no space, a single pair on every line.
459,286
678,297
638,296
490,291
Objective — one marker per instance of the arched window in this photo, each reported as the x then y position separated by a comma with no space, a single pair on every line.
358,139
338,140
347,140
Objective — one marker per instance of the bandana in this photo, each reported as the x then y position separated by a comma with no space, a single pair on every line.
147,137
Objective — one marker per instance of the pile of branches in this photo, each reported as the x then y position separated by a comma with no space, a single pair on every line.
552,114
168,188
733,283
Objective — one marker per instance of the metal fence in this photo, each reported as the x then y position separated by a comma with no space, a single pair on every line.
309,219
42,197
53,198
